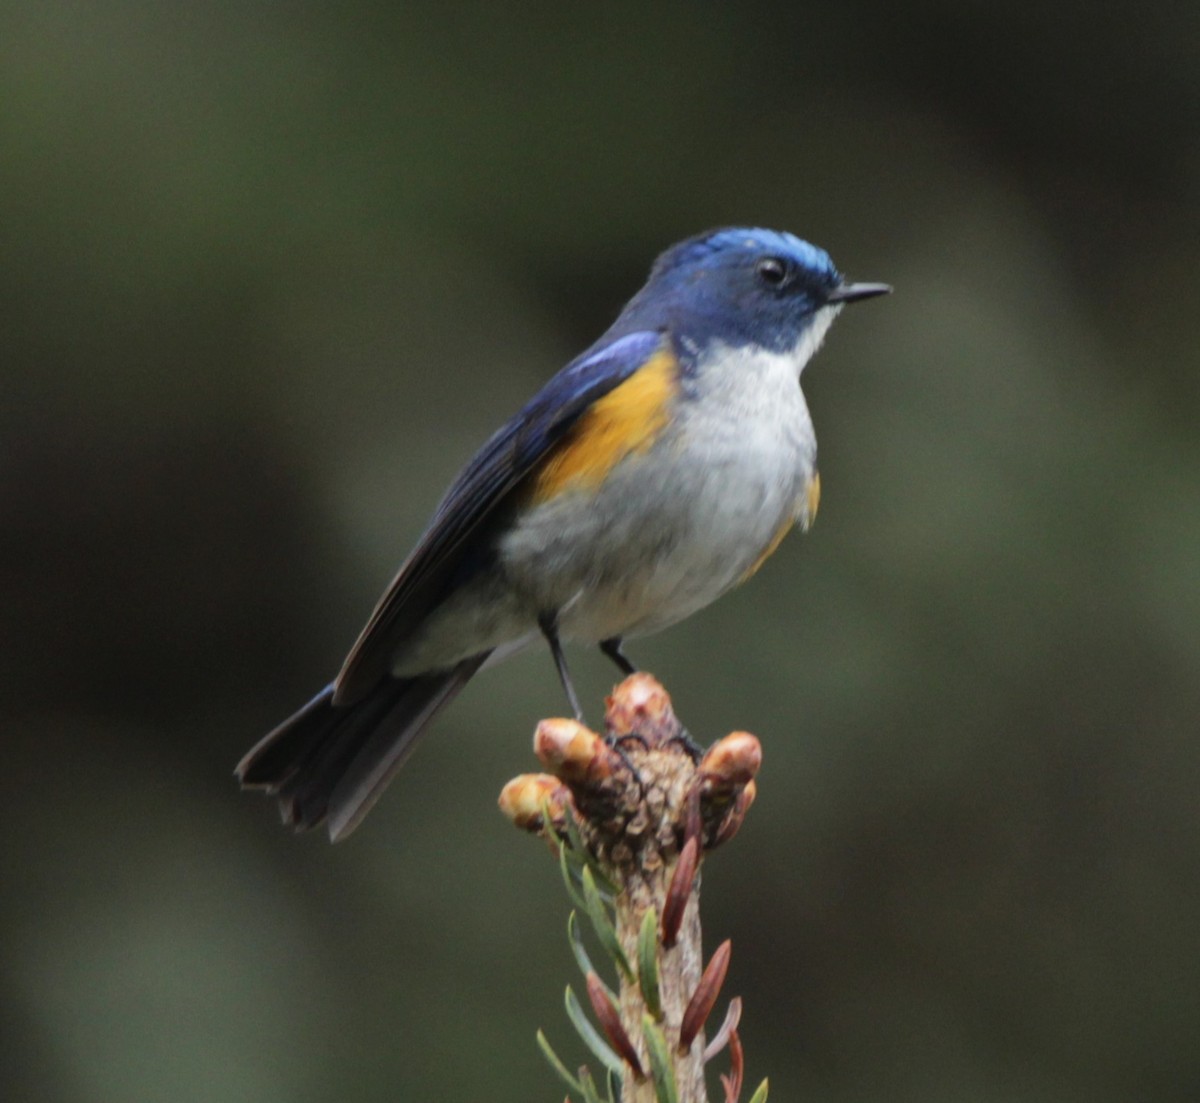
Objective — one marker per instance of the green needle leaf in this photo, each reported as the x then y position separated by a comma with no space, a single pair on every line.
573,835
577,947
556,1064
580,951
569,880
661,1068
648,963
607,887
570,842
590,1035
583,856
760,1096
605,931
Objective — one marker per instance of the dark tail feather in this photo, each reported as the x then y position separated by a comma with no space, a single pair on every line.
331,762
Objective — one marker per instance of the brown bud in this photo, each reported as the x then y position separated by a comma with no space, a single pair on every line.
640,706
732,761
610,1020
703,1000
679,891
523,799
573,752
736,816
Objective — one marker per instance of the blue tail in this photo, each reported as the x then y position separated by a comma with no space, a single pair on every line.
331,762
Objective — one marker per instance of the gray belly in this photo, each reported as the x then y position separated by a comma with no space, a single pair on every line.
654,545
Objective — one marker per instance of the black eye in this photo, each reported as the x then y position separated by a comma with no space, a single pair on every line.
772,271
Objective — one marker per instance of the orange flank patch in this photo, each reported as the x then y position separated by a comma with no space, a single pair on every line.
769,550
812,494
812,499
625,421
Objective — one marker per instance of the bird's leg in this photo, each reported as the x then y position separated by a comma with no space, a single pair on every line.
685,740
612,648
548,623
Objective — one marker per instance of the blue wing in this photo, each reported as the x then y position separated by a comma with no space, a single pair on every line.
480,490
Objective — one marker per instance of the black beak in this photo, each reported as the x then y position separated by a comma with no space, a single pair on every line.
852,292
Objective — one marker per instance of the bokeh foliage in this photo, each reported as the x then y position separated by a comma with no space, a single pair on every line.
270,272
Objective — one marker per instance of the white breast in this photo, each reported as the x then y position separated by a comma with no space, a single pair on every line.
752,452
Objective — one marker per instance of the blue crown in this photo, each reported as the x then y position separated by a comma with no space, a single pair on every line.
749,240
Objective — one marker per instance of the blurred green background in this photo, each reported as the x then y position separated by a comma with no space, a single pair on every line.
269,273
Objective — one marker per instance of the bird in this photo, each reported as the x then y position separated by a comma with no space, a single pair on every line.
652,474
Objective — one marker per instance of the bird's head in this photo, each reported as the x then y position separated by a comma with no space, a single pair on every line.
746,287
